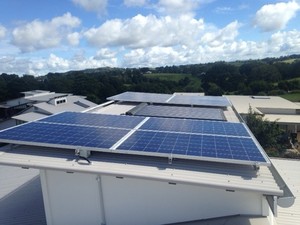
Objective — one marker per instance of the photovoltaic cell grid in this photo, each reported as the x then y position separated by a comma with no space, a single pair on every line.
140,97
216,101
181,112
200,100
90,119
215,148
60,135
190,139
196,126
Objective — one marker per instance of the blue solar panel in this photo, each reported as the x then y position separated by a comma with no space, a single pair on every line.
91,119
63,135
189,139
181,112
140,97
218,101
196,126
215,148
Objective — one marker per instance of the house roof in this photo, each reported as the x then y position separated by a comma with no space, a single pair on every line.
281,118
30,116
218,175
21,200
242,103
229,177
290,171
74,103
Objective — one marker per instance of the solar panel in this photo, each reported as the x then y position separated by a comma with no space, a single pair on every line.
91,119
199,100
193,146
61,135
181,138
140,97
181,112
196,126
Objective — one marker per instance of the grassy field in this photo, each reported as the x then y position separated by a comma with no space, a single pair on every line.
289,60
294,97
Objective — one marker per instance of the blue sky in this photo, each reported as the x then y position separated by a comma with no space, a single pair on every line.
37,37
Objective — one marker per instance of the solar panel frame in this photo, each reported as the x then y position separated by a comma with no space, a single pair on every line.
182,112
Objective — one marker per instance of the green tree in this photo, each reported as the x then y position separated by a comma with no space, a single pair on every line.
268,134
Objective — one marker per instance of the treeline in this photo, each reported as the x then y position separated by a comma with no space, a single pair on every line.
271,76
96,85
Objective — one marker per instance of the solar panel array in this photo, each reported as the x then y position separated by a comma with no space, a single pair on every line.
90,119
199,100
175,138
140,97
62,135
196,127
193,146
217,101
181,112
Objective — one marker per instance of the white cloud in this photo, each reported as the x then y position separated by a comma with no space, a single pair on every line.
177,7
220,37
105,53
274,17
98,6
155,56
146,31
287,42
131,3
44,34
2,31
73,38
55,63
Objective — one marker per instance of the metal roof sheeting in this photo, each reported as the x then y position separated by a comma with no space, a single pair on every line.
21,200
290,172
217,175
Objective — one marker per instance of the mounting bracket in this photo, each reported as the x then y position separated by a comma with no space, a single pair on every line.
83,154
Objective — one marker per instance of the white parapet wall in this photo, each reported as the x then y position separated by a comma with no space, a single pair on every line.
81,198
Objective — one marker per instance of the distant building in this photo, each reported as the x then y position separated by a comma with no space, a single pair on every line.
38,104
273,108
160,159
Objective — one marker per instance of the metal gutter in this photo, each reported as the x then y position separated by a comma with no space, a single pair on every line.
288,199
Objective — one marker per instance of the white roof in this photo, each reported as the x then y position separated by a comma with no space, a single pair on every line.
290,172
217,175
70,105
242,103
281,118
31,116
21,200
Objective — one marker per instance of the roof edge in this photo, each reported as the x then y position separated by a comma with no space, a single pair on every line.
288,198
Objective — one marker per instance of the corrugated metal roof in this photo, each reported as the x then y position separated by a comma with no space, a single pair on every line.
21,200
70,105
290,172
242,103
31,116
218,175
280,118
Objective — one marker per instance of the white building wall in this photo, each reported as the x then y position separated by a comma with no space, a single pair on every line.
133,201
71,198
76,199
